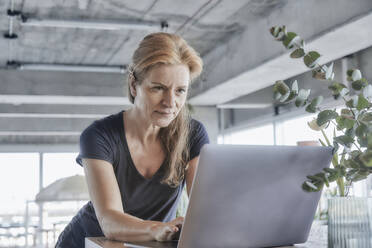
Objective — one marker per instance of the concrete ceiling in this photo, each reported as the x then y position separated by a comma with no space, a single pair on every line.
40,106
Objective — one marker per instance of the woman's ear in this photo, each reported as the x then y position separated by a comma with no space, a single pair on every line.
132,87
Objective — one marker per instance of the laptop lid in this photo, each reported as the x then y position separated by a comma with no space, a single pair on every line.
251,196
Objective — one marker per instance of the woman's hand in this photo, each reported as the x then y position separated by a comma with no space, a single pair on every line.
166,231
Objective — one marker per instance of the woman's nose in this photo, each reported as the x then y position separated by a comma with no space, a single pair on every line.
169,99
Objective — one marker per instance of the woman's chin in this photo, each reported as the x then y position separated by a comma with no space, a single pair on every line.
163,122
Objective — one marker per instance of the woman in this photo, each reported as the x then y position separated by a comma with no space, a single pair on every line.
137,162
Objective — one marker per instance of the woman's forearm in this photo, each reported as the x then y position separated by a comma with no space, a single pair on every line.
124,227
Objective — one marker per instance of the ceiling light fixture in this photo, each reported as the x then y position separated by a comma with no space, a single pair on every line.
66,67
93,24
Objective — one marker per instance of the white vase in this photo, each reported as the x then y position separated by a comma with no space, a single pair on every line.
350,222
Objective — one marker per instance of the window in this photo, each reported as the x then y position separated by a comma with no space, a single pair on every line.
59,165
263,135
19,181
289,132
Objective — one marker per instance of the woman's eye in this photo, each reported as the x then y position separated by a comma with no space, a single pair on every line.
157,88
181,91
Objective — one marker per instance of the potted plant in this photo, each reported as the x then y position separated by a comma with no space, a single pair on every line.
348,218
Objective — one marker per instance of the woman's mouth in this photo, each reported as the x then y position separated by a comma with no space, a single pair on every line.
164,113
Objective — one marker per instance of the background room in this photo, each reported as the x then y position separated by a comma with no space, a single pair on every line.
63,64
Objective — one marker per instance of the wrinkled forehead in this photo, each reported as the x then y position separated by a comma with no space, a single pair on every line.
169,75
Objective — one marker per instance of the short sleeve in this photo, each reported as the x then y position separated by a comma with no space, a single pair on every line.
95,144
198,138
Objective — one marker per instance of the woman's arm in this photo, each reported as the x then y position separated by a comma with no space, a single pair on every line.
190,173
105,195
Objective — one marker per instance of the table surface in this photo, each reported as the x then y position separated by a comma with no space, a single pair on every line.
317,239
102,242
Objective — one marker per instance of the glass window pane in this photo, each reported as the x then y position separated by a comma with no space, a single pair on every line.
291,131
19,181
262,135
59,165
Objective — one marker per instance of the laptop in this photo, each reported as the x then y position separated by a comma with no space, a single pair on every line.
250,196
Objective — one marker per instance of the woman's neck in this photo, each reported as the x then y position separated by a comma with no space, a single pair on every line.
140,128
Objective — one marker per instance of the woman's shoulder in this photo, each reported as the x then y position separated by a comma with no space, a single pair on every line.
196,125
197,130
198,137
107,124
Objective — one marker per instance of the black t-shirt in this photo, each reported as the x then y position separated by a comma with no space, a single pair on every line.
147,199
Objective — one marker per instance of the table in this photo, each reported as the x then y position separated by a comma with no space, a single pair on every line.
102,242
317,239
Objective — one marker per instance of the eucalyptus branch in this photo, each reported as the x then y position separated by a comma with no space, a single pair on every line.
351,109
321,67
345,134
358,115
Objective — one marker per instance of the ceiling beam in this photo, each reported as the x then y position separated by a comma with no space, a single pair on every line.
64,100
36,126
27,144
60,83
59,109
46,109
232,72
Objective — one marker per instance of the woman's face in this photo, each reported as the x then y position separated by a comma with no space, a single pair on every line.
162,93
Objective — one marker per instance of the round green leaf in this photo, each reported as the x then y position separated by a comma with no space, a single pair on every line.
362,103
344,140
350,163
366,118
311,59
356,75
329,72
281,87
344,92
298,53
367,91
356,175
336,88
288,39
311,108
349,72
275,31
314,126
361,130
318,74
291,96
352,103
284,97
343,123
347,113
302,97
359,84
325,116
310,187
295,86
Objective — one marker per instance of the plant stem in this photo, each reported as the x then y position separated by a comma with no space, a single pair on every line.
341,186
325,137
339,181
352,111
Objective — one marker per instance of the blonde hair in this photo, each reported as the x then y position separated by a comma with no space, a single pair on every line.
168,49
